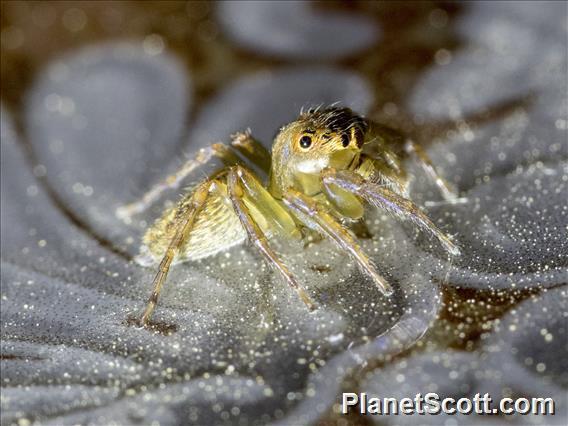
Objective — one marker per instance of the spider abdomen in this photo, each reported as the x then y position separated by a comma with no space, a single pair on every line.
216,228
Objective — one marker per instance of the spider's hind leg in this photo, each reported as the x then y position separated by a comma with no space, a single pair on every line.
183,226
449,193
241,142
203,157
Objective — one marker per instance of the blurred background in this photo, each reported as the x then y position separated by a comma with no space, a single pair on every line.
33,33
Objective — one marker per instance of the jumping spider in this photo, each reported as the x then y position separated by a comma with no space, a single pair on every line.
324,167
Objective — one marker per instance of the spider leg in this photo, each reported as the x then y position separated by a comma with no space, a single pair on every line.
276,217
446,189
237,189
310,212
183,229
388,200
216,150
252,149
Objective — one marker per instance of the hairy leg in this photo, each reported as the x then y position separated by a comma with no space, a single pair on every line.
237,190
204,156
274,216
388,200
251,149
309,211
183,229
446,189
392,145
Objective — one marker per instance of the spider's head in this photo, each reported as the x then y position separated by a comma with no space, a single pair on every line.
319,138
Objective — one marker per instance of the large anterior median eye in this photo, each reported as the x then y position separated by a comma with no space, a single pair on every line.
305,142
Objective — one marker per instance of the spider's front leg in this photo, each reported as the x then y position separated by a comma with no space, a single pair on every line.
385,199
243,187
309,211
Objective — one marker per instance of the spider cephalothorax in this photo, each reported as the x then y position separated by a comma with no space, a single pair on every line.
320,176
319,138
336,123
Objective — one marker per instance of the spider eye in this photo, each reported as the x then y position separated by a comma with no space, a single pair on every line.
305,141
